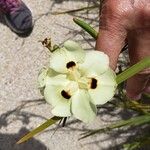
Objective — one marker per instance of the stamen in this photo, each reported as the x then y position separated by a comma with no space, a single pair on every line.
70,64
93,83
65,94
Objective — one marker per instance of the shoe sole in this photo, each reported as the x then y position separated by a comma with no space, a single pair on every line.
14,29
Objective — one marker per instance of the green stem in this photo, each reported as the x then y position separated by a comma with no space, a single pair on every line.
76,10
128,73
86,27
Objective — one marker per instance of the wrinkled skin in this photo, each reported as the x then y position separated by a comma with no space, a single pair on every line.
127,20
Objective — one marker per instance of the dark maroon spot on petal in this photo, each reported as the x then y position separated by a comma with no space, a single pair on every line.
65,94
70,64
93,83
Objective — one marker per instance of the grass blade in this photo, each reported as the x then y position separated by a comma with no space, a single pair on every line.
140,120
76,10
42,127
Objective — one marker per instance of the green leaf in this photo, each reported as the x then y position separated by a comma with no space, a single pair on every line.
140,120
42,127
128,73
86,27
138,143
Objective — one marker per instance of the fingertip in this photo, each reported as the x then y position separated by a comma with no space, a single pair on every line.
147,88
133,96
136,86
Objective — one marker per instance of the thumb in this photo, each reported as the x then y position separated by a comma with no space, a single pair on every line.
137,85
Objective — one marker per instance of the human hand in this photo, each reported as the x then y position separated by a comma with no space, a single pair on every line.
129,20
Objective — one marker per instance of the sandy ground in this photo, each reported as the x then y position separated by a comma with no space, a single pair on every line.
21,105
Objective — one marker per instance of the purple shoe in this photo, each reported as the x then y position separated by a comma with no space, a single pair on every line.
17,16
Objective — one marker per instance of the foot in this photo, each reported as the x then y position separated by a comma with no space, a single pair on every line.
17,16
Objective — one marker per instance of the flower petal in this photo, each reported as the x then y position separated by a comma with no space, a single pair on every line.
75,49
41,77
95,62
61,106
43,74
57,80
53,88
62,110
82,107
72,46
108,78
59,60
53,94
105,90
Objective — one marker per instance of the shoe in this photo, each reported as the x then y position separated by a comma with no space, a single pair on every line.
17,16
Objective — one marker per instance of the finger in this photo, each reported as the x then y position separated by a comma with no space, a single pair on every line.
147,88
112,33
139,48
136,86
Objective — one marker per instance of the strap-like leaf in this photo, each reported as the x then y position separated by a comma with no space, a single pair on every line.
86,27
144,63
140,120
42,127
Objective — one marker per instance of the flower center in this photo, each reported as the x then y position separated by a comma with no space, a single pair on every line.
65,94
93,83
83,82
70,64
